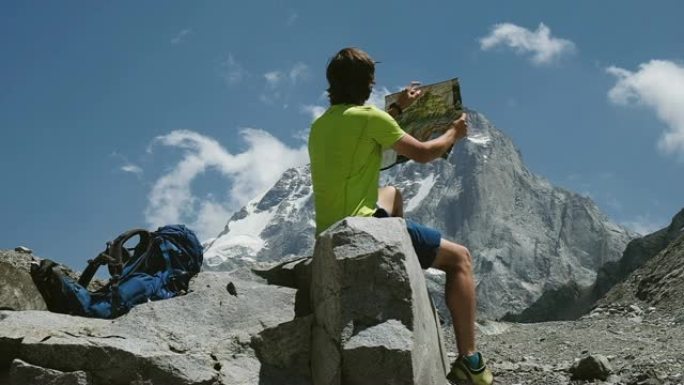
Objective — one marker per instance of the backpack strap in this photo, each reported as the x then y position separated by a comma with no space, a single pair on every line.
116,255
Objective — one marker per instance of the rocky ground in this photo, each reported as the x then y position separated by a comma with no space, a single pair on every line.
228,331
638,327
642,346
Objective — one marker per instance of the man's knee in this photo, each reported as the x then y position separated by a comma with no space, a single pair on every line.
454,257
393,192
390,198
398,202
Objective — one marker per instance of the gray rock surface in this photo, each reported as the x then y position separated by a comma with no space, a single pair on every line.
527,236
637,253
295,273
22,373
17,290
654,255
287,346
373,319
647,350
204,337
592,367
659,282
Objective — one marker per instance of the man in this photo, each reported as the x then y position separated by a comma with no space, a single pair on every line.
345,148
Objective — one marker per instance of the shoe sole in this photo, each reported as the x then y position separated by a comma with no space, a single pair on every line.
468,381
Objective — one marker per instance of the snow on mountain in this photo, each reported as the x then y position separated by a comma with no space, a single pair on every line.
274,225
424,187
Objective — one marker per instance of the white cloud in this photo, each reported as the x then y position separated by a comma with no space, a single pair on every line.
279,83
543,47
210,218
643,225
232,71
132,168
313,110
127,166
659,85
273,78
251,172
181,36
377,97
299,71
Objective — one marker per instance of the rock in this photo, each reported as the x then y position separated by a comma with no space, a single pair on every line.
380,353
659,281
17,290
373,319
23,373
649,270
286,273
23,249
287,346
592,367
230,287
203,337
294,273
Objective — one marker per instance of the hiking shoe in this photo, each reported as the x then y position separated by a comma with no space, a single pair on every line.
462,373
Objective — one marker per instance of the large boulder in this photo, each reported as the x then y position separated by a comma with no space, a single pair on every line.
17,290
204,337
373,320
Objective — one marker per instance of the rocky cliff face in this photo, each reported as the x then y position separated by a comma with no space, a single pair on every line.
659,281
637,254
572,300
527,236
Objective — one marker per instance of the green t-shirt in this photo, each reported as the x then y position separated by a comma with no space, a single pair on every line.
345,149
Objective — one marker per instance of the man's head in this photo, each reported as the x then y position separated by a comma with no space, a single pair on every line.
351,74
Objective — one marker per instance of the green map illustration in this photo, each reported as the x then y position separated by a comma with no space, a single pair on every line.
430,115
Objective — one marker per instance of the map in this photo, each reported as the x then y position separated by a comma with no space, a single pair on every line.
428,117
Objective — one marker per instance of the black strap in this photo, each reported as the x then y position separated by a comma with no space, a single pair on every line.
121,255
116,255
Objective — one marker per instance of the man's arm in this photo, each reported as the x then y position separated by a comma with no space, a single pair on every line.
424,152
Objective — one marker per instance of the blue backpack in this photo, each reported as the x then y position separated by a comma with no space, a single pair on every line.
158,267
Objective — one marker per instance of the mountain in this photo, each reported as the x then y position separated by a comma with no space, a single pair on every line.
571,300
659,279
638,252
527,237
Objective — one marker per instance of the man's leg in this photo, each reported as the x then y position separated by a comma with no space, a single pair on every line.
456,261
390,199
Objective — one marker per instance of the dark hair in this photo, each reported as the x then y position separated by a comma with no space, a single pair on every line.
350,76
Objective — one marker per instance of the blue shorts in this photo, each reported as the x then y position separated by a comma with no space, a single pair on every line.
425,240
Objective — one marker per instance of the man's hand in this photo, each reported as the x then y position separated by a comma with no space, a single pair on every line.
460,127
409,95
424,152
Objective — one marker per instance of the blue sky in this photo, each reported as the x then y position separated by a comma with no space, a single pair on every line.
137,113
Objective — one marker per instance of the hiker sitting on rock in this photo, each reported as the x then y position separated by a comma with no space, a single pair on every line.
345,148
